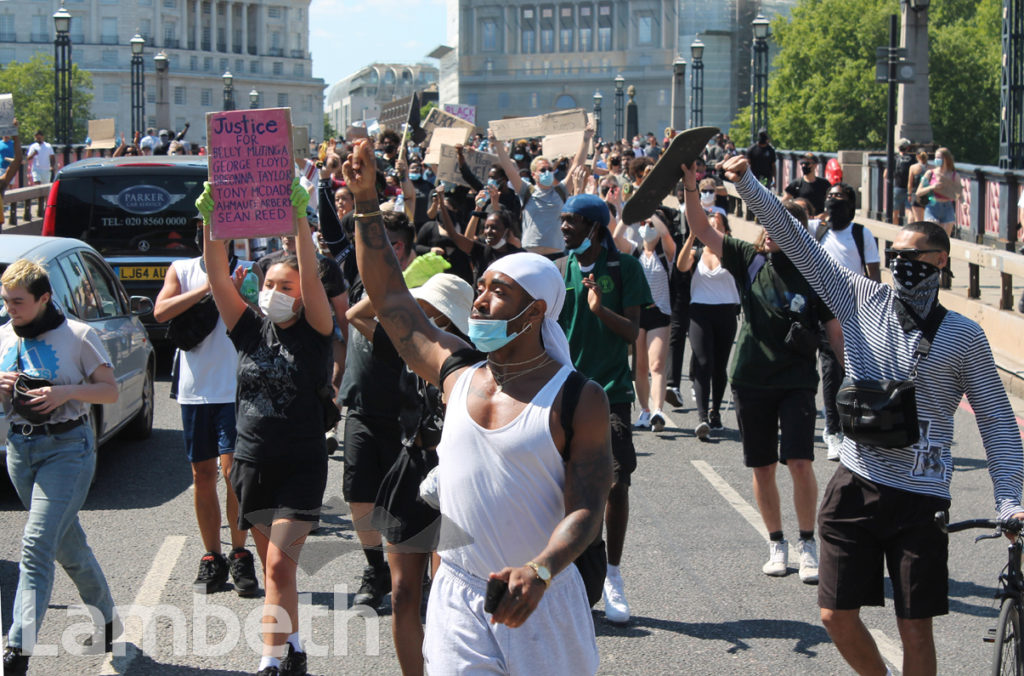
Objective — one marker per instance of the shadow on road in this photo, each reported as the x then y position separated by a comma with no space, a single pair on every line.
736,632
144,665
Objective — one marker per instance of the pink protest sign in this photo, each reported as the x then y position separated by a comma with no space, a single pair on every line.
251,171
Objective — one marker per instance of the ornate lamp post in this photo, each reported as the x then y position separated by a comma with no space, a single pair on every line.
697,83
597,114
229,90
138,86
620,119
62,80
759,78
254,99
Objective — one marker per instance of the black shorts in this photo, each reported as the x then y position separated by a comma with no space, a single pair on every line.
775,425
653,318
371,447
408,523
862,523
280,489
623,451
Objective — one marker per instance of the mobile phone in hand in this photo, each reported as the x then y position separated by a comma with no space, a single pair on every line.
496,590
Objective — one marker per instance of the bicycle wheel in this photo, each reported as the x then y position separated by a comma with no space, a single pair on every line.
1009,645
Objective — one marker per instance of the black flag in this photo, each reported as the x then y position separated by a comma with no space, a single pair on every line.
413,120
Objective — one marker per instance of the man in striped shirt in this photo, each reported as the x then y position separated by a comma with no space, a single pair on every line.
880,503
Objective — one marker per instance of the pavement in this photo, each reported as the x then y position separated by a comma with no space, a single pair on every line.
692,570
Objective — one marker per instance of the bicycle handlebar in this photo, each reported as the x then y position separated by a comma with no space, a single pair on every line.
1012,526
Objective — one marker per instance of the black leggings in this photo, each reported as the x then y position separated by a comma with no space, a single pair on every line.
678,326
712,331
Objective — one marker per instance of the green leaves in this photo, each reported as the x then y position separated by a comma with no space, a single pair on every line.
31,83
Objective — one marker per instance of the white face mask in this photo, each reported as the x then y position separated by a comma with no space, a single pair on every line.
276,306
500,243
707,198
649,233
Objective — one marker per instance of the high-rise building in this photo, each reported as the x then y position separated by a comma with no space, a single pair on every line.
263,43
525,57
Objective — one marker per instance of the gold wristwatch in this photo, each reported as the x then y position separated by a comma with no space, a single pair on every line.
542,572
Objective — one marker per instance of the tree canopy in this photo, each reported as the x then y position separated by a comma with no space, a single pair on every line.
31,84
822,93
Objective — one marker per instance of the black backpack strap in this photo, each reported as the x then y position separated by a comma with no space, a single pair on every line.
571,392
929,328
858,239
561,192
562,263
467,356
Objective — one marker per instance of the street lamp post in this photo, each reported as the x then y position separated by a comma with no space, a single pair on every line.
597,114
62,80
697,83
163,105
1011,89
759,78
619,107
138,86
678,104
229,90
254,99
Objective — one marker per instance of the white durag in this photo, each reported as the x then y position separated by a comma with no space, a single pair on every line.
540,278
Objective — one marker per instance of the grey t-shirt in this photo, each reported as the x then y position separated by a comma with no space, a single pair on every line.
66,355
541,210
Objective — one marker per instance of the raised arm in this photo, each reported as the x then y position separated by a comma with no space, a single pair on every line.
446,228
421,345
511,168
697,217
685,259
363,317
316,308
330,225
471,180
408,191
581,154
229,304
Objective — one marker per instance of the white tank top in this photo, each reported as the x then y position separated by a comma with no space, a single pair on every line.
206,373
504,488
712,287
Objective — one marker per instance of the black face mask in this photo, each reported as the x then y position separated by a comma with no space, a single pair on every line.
389,150
806,169
839,215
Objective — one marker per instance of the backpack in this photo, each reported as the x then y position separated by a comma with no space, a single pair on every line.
858,240
901,174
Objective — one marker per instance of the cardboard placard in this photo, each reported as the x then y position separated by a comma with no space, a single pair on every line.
7,127
438,119
461,111
478,162
441,137
300,141
101,134
562,122
562,145
355,132
251,170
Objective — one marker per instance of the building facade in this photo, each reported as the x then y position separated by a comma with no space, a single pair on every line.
360,95
524,57
263,43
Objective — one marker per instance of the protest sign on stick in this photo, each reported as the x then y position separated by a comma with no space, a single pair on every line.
441,137
7,127
562,145
438,119
479,164
561,122
300,141
251,171
101,134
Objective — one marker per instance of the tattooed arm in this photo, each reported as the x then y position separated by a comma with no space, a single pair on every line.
588,478
421,345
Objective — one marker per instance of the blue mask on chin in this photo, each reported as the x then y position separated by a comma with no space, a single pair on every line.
414,177
581,249
489,335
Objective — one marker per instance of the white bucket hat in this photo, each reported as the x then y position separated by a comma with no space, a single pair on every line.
451,295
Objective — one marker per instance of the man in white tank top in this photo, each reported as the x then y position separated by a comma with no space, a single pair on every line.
530,505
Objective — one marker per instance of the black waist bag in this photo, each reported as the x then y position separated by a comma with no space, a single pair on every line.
20,396
193,325
883,413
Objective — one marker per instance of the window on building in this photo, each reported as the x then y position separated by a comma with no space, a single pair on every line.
193,63
565,102
254,67
171,4
170,31
604,27
586,28
309,103
547,29
529,32
239,66
109,30
109,57
206,97
205,38
146,29
111,93
223,65
179,96
645,30
489,35
275,40
150,119
150,94
207,63
282,100
274,12
77,30
566,27
278,68
40,28
299,70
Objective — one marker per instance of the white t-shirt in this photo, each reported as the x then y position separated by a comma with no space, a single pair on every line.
207,373
43,151
840,245
713,287
657,280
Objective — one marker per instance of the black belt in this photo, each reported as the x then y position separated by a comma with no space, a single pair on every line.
29,430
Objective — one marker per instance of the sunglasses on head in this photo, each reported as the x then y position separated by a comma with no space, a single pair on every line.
909,254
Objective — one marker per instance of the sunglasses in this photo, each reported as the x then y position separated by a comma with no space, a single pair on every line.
909,254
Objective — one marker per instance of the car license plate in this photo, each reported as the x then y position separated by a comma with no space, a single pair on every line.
142,273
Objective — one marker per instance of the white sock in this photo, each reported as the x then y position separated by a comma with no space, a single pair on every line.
294,640
268,661
613,571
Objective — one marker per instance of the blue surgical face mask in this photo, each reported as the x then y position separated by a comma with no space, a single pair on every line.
582,248
936,162
428,175
489,335
546,178
493,183
415,177
517,157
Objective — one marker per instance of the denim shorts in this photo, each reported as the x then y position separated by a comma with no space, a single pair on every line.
209,430
940,212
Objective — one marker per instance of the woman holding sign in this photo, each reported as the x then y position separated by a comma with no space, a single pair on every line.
280,469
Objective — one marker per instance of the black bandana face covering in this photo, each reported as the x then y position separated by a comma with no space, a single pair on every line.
49,320
916,283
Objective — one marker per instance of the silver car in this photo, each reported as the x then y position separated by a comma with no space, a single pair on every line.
85,287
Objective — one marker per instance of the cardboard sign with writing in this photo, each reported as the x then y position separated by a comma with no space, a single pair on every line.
438,119
479,164
300,141
442,137
461,111
561,122
251,171
7,127
101,134
355,132
562,145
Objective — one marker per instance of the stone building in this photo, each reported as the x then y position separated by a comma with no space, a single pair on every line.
263,43
360,95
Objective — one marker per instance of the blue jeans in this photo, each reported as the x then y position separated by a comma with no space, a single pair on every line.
52,474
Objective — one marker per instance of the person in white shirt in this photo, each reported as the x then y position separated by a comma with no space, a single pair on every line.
41,160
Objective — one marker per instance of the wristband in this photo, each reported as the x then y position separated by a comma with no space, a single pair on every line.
689,189
480,214
368,214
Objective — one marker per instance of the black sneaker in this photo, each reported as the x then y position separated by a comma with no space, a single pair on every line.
213,573
715,420
673,396
376,585
243,572
110,630
294,663
15,664
269,671
703,428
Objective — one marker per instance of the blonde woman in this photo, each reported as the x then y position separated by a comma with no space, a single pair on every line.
941,187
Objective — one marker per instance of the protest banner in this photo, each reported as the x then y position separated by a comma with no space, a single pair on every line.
561,122
7,127
562,145
101,134
251,171
441,137
438,119
461,111
479,164
300,141
355,132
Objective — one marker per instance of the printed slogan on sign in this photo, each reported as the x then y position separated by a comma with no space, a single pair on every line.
251,171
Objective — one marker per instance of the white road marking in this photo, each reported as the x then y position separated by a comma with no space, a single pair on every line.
891,651
148,596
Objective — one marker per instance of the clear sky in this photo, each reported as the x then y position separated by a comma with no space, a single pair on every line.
345,35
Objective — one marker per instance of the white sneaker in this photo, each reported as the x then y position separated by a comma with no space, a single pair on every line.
616,608
644,421
702,430
808,562
778,559
834,442
658,421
